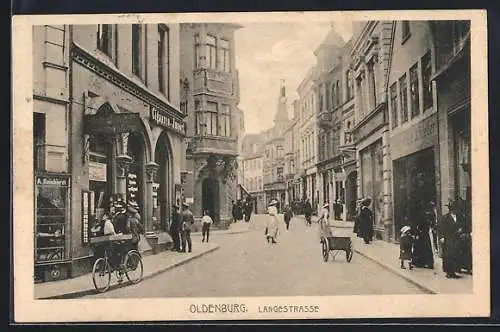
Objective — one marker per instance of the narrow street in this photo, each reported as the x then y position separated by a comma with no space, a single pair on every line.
246,265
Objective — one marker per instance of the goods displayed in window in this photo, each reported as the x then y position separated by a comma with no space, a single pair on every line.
51,216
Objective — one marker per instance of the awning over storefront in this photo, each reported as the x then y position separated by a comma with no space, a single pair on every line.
106,122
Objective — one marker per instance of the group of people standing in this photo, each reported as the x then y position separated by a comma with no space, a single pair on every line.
181,227
426,237
241,210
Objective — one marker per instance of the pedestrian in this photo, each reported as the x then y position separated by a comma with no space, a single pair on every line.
422,249
248,209
365,227
187,223
120,218
308,212
432,216
449,230
272,222
406,241
134,224
287,216
206,221
239,210
464,237
175,228
323,220
234,212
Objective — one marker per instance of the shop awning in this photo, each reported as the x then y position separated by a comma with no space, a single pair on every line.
106,123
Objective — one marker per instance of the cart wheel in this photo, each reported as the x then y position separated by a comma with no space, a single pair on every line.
324,250
348,255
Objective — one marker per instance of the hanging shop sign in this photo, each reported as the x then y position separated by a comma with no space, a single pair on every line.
132,186
97,171
166,120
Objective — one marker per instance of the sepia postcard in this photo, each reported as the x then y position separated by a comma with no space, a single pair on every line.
250,166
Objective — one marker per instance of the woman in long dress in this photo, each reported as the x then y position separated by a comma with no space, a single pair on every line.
272,222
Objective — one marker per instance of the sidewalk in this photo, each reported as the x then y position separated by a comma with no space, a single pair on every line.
153,265
386,255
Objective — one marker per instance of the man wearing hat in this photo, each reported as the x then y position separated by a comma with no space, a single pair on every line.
134,223
120,219
449,230
175,227
365,220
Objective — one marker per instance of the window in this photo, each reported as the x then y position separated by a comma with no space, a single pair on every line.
327,97
403,97
104,38
426,80
137,42
320,103
163,60
333,94
349,84
394,105
279,173
211,119
225,121
337,93
360,100
39,127
414,95
371,86
211,50
197,54
224,56
405,30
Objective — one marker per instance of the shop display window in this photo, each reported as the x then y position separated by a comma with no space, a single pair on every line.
51,216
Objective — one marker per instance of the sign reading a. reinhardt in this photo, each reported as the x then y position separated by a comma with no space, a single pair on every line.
164,119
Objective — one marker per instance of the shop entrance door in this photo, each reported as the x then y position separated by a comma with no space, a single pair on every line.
414,187
210,197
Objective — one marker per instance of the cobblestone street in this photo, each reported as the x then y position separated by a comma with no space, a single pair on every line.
246,265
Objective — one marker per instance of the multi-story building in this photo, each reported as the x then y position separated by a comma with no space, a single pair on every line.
297,177
307,132
371,54
210,96
328,88
253,171
452,77
414,147
107,126
274,153
240,120
289,172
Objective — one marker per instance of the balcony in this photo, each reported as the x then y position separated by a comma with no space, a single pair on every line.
223,146
209,80
325,120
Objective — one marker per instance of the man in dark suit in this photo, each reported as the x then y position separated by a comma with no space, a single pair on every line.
449,230
175,228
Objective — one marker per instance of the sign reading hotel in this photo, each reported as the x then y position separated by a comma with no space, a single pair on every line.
164,119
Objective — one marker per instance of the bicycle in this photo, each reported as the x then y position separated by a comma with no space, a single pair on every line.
105,266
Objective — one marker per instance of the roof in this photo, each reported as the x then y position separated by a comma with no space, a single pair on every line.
332,39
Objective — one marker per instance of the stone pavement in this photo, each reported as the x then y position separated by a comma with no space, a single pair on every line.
153,265
386,255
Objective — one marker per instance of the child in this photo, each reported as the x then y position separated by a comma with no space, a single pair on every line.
206,221
406,246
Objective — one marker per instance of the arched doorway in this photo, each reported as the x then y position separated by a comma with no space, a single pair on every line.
135,176
351,194
210,197
162,187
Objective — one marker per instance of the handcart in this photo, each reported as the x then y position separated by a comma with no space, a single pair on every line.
335,237
115,254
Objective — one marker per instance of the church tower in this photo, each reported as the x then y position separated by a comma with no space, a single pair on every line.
281,117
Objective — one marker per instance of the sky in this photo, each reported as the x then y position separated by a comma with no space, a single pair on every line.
265,54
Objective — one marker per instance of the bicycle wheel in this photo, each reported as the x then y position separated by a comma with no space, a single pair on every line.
101,275
133,266
325,251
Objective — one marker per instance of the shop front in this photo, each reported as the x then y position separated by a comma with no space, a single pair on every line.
415,171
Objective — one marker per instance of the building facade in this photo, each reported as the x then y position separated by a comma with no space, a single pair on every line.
307,131
210,96
452,78
289,172
414,147
328,88
370,58
107,126
274,153
253,171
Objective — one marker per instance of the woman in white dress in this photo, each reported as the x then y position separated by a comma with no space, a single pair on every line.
272,222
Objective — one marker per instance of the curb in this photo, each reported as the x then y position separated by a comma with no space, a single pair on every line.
398,273
92,291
